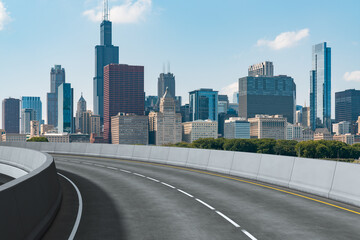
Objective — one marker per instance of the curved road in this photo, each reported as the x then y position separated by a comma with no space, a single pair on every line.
136,200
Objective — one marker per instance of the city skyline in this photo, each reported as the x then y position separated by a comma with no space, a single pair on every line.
219,57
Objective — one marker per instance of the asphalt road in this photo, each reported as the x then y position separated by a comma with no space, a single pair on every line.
4,179
135,200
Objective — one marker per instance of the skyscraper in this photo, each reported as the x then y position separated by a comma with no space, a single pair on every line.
320,87
105,53
33,103
57,77
261,69
123,92
81,108
166,81
27,115
10,115
347,107
203,104
65,108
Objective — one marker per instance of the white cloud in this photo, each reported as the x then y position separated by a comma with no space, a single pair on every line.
4,16
352,76
229,90
285,39
129,12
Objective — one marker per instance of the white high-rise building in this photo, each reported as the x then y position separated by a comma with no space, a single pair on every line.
199,129
265,126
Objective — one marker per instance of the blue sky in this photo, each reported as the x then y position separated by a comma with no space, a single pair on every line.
209,43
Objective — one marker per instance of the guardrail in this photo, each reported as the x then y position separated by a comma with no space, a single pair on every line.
335,180
29,203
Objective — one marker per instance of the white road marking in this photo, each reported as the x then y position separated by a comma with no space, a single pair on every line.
248,234
137,174
185,193
124,171
167,185
87,163
78,217
204,203
152,179
228,219
113,168
99,165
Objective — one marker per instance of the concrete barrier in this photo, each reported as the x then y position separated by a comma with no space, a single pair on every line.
198,158
276,169
77,148
63,148
141,153
313,176
159,154
93,149
246,165
220,161
11,171
29,203
125,151
346,183
108,150
48,147
178,156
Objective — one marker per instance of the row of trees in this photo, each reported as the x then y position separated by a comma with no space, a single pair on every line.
308,149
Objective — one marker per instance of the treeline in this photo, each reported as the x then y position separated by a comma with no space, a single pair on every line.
309,149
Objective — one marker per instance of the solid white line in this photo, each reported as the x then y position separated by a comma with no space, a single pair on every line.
204,203
99,165
228,219
248,234
152,179
124,171
113,168
167,185
185,193
137,174
78,217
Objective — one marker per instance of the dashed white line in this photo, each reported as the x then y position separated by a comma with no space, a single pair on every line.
167,185
87,163
248,234
152,179
124,170
185,193
204,203
99,165
137,174
78,217
228,219
113,168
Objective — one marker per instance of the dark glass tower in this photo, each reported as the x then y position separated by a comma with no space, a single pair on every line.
11,115
65,108
57,77
105,54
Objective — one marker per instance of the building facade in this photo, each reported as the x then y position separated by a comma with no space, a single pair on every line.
27,115
33,103
95,126
57,77
129,129
342,127
11,115
65,108
265,126
347,107
123,92
192,131
322,134
261,69
320,87
203,104
166,81
34,128
267,95
81,108
305,122
236,128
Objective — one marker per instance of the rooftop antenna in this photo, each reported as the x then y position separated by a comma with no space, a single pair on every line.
106,10
168,66
164,68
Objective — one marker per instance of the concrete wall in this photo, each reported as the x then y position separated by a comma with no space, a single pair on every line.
28,203
334,180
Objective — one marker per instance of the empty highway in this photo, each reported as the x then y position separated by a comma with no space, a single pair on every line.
136,200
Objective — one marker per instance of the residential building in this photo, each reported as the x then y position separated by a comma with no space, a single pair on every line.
347,138
14,137
261,69
322,134
123,92
11,115
320,87
34,128
266,126
165,125
65,108
267,95
194,130
203,104
33,103
347,107
105,54
129,129
57,77
81,108
341,128
237,127
27,115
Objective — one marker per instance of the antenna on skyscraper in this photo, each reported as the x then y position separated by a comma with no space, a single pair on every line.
164,68
168,66
106,10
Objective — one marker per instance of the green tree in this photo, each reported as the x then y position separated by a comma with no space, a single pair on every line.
265,145
285,147
38,139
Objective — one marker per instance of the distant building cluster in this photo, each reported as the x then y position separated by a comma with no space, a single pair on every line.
263,107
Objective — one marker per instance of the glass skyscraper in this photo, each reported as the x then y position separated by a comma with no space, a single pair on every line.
33,103
57,77
203,104
320,87
65,108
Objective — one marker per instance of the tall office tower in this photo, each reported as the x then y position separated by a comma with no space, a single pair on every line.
305,122
105,53
166,81
203,104
81,108
320,87
65,108
27,115
236,97
95,126
57,77
86,122
123,92
267,95
185,113
11,115
33,103
165,125
223,103
347,107
261,69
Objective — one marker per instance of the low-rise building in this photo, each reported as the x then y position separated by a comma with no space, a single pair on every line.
14,137
129,129
47,128
322,134
236,127
294,132
341,128
307,134
79,138
57,137
268,126
192,131
346,138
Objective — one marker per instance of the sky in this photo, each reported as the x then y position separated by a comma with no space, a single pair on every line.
208,43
